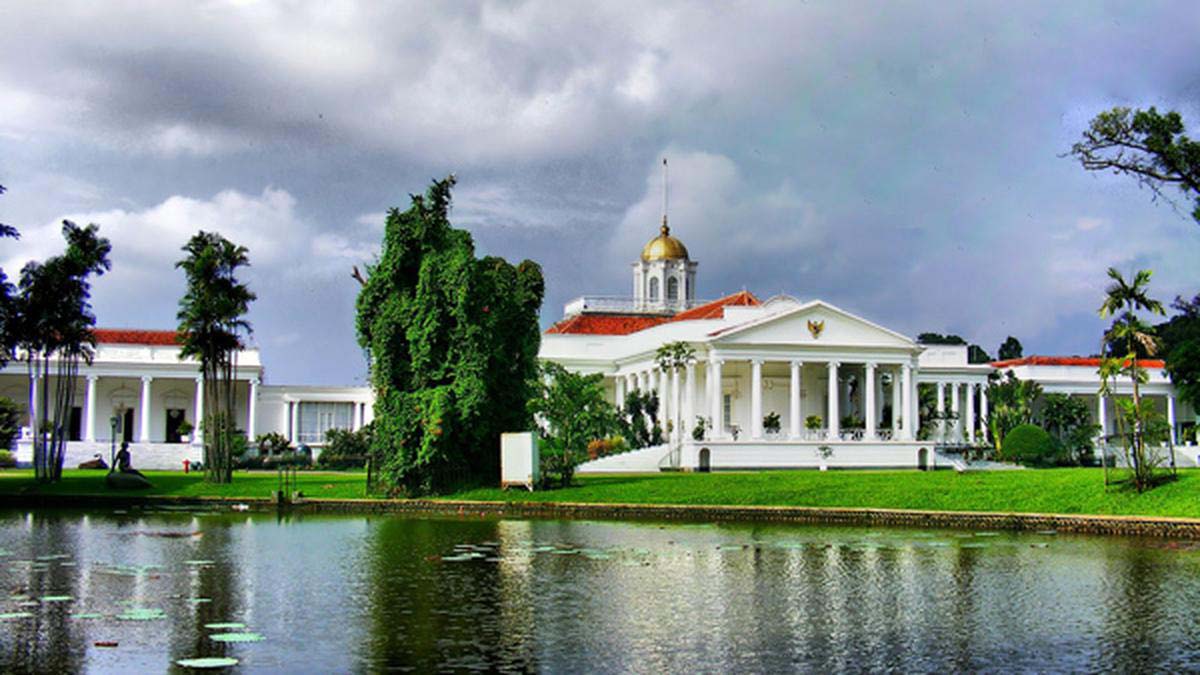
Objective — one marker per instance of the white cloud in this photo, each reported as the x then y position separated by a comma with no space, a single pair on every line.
283,246
723,218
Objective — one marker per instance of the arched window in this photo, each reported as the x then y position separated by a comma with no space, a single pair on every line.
654,288
672,289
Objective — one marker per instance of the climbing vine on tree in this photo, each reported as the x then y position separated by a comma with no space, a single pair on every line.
452,341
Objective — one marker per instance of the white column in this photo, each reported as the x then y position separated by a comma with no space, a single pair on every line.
144,412
756,414
896,404
619,389
33,404
642,381
689,400
197,434
983,409
295,426
1102,415
833,422
970,402
357,422
794,402
252,409
1171,416
676,398
869,405
718,403
89,409
956,424
663,386
941,411
906,388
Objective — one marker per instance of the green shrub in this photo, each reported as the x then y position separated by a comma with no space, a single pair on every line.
273,443
10,422
346,449
7,459
1030,445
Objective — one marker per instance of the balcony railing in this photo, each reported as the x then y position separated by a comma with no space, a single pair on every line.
627,305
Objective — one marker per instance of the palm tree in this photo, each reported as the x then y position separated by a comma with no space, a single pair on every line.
1123,300
212,327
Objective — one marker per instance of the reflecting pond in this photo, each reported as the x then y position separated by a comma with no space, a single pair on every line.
138,591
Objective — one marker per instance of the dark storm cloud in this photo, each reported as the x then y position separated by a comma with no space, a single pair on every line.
899,160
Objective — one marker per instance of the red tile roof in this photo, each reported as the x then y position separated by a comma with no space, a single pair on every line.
1082,361
624,324
716,308
605,324
127,336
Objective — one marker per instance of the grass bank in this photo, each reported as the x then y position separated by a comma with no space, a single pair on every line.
1051,491
1061,491
245,485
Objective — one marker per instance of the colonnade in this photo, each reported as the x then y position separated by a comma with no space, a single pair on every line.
677,394
145,406
964,423
1102,416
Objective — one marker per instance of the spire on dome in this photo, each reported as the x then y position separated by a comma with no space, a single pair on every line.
665,228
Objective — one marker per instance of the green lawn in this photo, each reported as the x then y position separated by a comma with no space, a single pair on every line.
329,484
1030,491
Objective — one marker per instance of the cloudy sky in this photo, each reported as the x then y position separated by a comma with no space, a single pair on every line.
900,160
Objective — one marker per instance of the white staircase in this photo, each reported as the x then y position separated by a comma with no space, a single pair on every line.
645,460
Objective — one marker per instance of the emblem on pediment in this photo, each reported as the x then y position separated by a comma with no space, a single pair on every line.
815,327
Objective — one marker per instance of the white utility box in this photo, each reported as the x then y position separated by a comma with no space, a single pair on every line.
519,459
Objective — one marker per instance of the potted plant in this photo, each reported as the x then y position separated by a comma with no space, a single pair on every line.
771,423
824,452
703,424
185,431
813,423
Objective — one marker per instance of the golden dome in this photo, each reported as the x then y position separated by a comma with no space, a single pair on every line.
664,247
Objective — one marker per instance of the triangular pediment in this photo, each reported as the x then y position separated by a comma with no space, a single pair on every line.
813,323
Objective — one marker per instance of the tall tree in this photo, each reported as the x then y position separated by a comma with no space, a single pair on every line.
1180,339
1124,300
1011,349
1147,145
8,319
572,410
452,342
212,328
52,320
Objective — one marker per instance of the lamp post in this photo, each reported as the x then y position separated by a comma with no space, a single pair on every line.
112,453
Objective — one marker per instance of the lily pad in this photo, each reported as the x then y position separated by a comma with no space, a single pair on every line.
224,626
87,615
199,601
14,615
57,598
199,563
142,614
237,637
208,662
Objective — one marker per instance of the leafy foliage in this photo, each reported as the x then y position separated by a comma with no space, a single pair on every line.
452,342
1124,300
771,422
10,422
572,411
1180,339
1030,445
273,443
1010,349
1011,405
638,419
1068,420
345,449
1147,145
211,326
51,321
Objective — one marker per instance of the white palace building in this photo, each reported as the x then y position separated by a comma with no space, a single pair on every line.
808,362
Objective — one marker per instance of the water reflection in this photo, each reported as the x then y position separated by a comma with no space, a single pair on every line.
346,593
